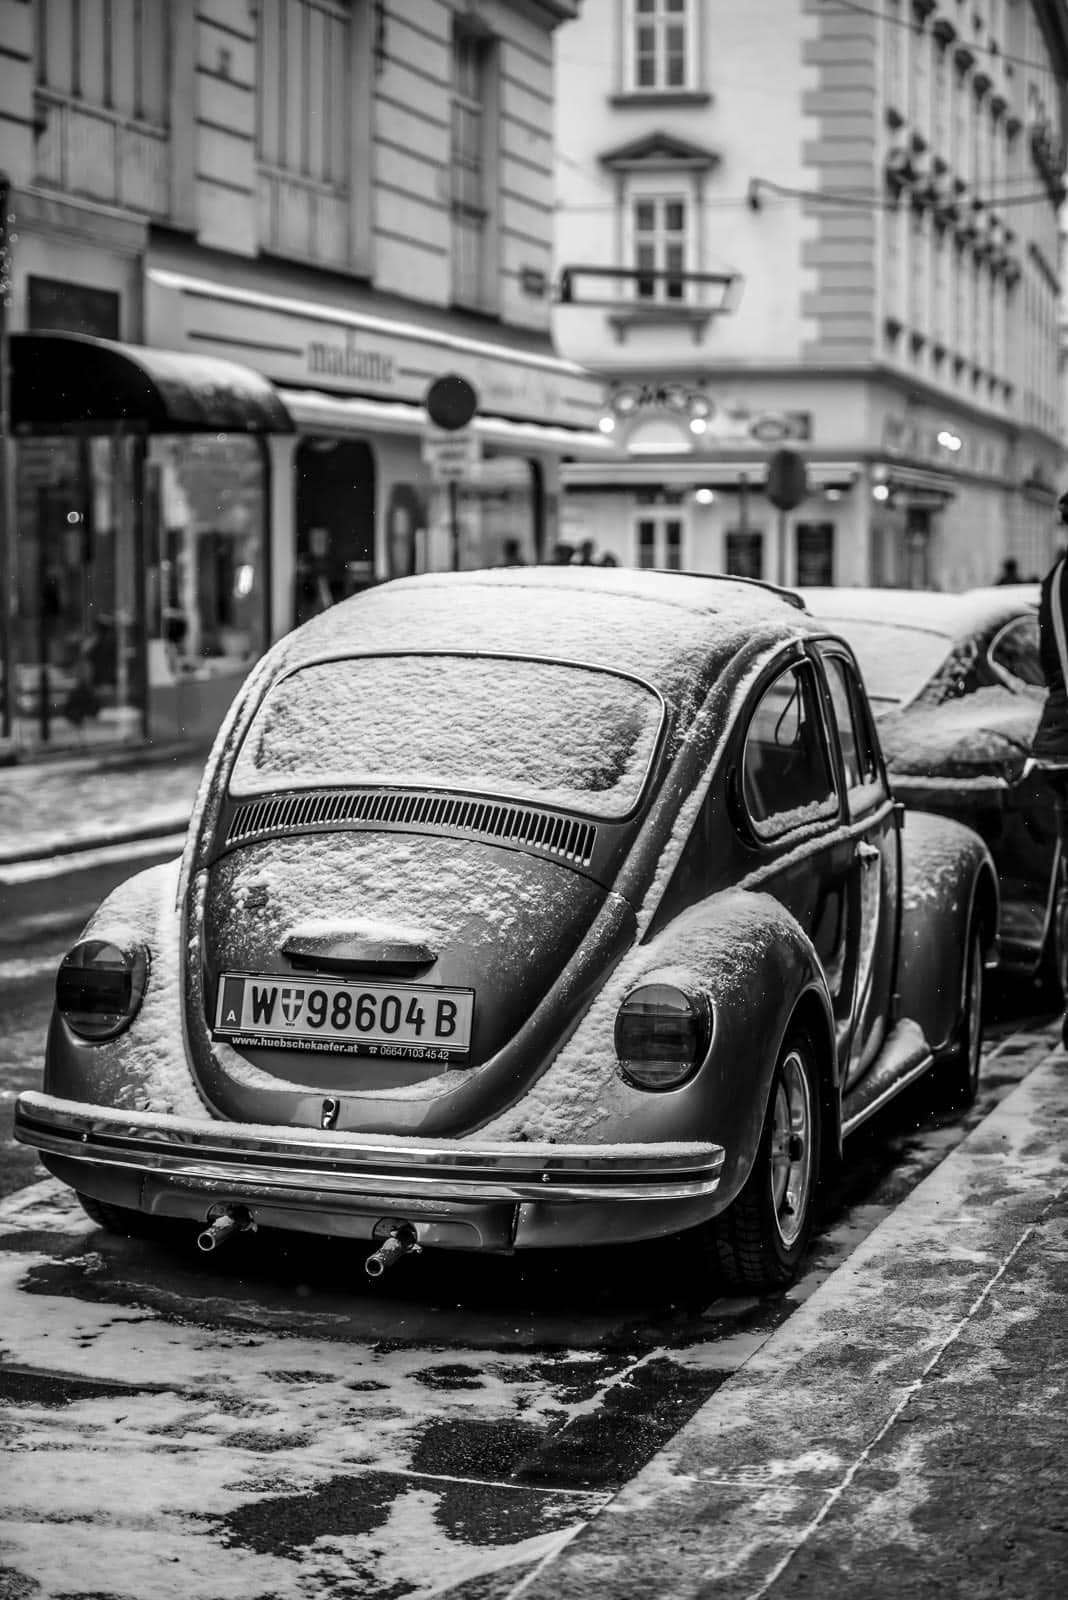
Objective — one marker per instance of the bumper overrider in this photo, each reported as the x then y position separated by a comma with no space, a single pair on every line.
457,1193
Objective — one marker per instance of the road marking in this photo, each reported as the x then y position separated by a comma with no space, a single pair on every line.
25,968
81,860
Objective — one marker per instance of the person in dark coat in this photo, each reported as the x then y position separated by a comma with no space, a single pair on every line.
1049,747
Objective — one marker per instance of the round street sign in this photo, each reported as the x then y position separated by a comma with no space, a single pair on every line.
787,483
451,401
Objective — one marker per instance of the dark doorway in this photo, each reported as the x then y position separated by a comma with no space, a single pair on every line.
917,548
335,515
815,554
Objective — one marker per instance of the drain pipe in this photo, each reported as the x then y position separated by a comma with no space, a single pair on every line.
403,1241
222,1223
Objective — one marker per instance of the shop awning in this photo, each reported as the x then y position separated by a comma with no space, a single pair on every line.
70,381
312,409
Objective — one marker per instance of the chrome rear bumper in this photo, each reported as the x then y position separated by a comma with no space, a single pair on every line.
322,1175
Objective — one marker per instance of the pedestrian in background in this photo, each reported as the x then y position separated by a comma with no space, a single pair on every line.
1050,744
1049,748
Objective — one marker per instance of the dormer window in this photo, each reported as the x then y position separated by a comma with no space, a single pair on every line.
659,53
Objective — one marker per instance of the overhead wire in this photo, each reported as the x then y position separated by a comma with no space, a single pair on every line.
753,200
992,50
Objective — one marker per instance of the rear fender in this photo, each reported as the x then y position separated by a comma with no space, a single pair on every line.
947,881
760,973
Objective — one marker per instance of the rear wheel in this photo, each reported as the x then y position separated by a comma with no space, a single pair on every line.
759,1242
958,1070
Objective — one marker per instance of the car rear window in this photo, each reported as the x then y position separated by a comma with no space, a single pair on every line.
1015,653
542,731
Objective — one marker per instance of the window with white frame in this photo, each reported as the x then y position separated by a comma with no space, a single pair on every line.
112,56
660,246
471,146
659,539
303,105
304,127
659,45
102,100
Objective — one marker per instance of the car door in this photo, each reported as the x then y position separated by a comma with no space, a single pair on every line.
873,823
792,811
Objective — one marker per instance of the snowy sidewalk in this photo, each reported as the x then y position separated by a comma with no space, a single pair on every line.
54,808
904,1434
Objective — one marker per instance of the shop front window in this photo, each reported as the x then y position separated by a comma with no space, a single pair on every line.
335,486
206,546
498,519
745,553
77,613
815,554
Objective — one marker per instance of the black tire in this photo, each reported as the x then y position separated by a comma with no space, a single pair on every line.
759,1242
957,1072
123,1221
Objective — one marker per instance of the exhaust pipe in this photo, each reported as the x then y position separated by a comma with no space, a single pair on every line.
223,1221
403,1241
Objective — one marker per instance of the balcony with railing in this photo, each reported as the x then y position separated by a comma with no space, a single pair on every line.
643,296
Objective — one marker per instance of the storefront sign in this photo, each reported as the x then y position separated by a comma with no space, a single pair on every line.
295,342
451,456
724,421
349,360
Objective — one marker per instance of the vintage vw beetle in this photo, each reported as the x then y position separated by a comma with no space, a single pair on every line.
523,908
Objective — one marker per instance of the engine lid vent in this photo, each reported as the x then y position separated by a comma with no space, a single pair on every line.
551,832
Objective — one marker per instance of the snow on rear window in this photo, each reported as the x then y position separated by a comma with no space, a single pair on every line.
559,735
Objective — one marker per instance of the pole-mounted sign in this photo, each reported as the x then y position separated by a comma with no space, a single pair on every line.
451,402
787,482
786,487
451,453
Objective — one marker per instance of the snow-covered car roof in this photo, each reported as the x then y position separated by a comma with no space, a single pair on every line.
952,615
677,631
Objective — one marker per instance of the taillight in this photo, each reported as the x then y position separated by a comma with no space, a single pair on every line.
662,1035
100,986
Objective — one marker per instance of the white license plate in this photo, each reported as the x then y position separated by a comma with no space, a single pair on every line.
395,1019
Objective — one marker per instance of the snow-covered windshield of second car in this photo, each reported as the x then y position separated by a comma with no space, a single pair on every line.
896,661
546,732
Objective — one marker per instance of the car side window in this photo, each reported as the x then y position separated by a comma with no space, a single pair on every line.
854,727
1014,654
786,771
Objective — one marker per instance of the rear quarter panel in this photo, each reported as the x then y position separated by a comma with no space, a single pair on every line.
757,967
947,876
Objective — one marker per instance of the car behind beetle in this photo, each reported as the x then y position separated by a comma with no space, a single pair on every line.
522,909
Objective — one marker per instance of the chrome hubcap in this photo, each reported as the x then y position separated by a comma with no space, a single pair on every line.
791,1148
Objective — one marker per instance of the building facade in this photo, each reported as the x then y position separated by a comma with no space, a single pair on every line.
244,238
826,229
